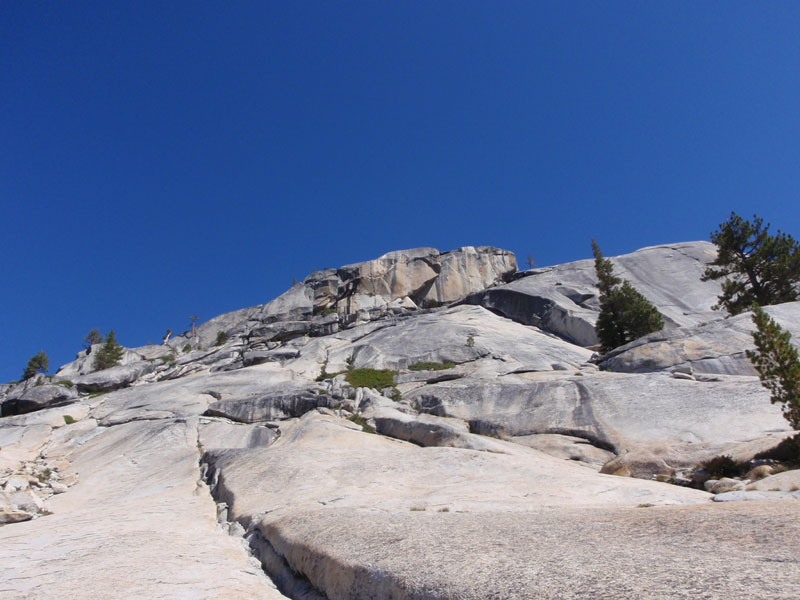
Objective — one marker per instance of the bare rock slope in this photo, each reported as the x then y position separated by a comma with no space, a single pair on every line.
418,426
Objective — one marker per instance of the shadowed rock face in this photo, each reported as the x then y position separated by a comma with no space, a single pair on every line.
563,299
490,474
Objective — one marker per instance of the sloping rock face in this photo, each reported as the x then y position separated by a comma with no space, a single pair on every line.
489,460
332,299
715,347
563,299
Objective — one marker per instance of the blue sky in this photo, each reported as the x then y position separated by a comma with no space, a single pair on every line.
161,160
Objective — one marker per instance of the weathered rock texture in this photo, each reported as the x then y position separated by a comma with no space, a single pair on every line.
563,299
489,466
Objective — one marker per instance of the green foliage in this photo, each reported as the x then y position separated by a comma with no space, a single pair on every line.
65,382
787,451
625,314
110,354
222,337
359,420
371,378
69,420
93,337
187,347
777,364
470,341
431,366
757,267
723,466
324,312
44,475
39,363
396,396
167,358
607,281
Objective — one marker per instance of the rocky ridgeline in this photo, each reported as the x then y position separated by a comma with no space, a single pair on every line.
422,425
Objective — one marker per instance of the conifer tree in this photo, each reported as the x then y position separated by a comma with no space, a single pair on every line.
39,363
92,338
625,314
758,267
110,354
777,363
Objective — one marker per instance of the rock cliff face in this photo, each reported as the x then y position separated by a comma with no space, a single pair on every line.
422,425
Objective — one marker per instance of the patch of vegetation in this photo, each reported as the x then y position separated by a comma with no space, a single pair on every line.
723,466
167,358
323,374
222,338
470,341
359,420
432,366
66,383
646,505
396,396
371,378
431,304
44,475
68,420
445,509
787,451
97,395
187,347
324,312
110,353
417,509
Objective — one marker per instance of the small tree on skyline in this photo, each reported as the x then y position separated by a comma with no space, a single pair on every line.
110,354
39,363
758,267
92,338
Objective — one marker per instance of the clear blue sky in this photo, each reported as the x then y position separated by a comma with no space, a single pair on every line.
162,159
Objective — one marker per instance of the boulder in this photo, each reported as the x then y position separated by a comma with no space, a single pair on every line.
427,430
114,378
787,481
725,484
37,398
662,423
716,347
269,407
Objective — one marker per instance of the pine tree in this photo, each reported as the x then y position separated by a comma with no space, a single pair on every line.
110,354
92,338
777,363
758,267
39,363
625,314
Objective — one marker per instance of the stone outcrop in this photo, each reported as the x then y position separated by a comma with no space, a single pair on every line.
37,398
715,347
563,299
114,378
496,431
